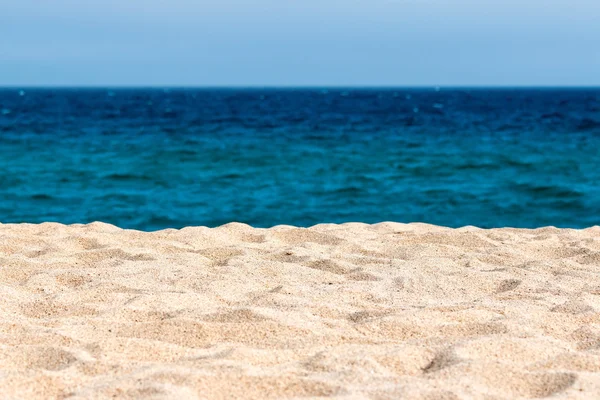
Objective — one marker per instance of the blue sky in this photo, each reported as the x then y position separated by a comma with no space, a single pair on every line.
298,43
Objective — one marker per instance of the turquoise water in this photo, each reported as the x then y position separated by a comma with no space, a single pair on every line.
150,159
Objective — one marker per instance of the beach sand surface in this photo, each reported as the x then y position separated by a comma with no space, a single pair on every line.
354,311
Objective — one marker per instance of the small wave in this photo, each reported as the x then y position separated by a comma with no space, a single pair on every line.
158,222
348,190
128,177
553,115
547,190
505,160
185,152
123,197
41,196
468,166
588,124
231,176
562,204
509,127
315,137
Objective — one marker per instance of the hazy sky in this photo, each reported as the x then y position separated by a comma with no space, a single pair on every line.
299,42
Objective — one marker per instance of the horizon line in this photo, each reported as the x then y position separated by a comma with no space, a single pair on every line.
357,86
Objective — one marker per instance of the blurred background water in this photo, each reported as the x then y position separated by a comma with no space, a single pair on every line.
150,159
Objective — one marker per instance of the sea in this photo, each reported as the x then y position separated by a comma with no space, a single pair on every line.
156,158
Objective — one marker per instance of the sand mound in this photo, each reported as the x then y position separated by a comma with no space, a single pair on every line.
379,311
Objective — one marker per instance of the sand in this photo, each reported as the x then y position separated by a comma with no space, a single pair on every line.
354,311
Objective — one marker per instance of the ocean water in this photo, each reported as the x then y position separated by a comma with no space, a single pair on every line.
150,159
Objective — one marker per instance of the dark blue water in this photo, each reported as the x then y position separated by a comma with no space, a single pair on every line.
152,159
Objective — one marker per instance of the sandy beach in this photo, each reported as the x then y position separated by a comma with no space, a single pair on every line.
355,311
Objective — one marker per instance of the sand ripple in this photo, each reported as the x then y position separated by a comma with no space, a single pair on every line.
354,311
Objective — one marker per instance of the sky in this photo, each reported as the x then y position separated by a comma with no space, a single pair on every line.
300,43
